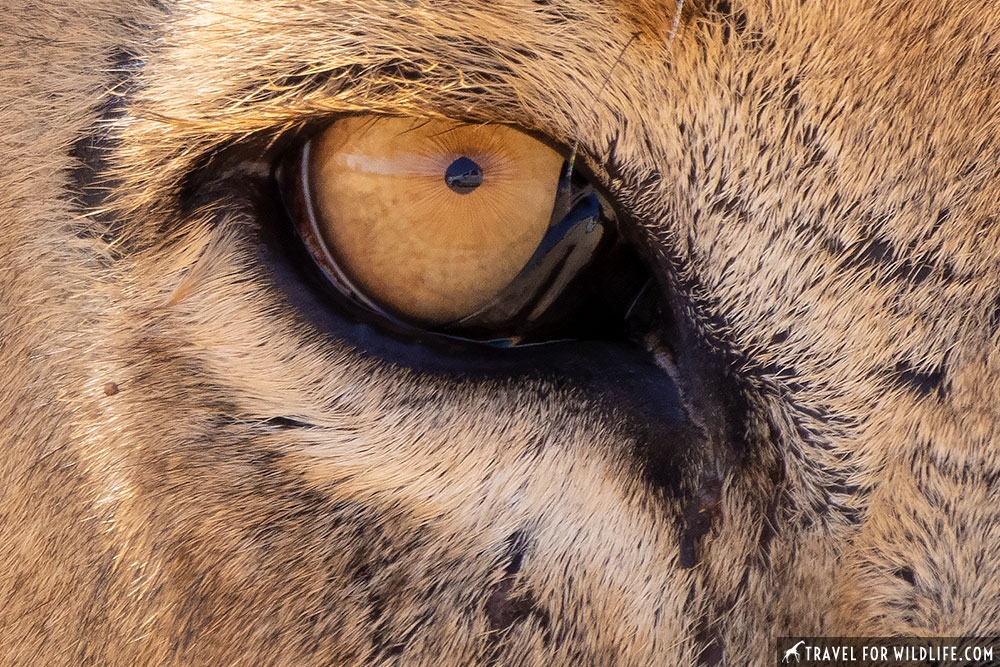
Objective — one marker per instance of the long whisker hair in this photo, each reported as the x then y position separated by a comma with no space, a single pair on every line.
600,91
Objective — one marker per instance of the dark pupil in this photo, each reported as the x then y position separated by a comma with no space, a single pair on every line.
463,176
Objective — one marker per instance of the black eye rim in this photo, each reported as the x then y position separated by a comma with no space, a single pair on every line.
290,179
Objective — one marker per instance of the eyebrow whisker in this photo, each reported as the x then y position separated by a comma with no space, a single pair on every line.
600,91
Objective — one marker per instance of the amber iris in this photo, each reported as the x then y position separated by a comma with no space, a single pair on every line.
429,219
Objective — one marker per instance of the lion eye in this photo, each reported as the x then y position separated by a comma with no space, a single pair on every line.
459,229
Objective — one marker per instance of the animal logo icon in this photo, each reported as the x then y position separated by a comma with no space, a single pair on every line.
793,651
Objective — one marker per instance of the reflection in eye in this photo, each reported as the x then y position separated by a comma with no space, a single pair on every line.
464,230
463,175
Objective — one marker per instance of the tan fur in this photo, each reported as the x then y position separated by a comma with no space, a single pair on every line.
815,183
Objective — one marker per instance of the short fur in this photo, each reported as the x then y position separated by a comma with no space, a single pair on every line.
195,472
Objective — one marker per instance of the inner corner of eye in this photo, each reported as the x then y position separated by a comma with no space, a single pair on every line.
429,218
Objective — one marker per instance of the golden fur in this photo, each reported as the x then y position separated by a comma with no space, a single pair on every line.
194,473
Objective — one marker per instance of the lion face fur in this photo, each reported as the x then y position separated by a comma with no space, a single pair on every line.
199,468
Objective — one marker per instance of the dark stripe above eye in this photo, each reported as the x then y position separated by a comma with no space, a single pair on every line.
91,149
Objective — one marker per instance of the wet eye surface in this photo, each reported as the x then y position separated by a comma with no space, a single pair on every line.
474,232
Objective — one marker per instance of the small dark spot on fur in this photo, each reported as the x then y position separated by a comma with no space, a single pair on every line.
286,423
922,383
906,574
994,321
527,54
832,245
878,252
110,388
503,610
728,205
739,23
306,81
712,653
734,22
942,217
810,139
874,251
652,180
791,93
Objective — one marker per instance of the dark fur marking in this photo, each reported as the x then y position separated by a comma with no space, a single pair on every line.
303,82
717,399
790,94
832,245
730,206
994,317
286,423
906,574
560,13
711,655
780,337
943,216
485,52
920,382
502,609
770,526
697,518
735,26
825,417
90,185
878,253
810,139
309,81
815,227
833,478
527,54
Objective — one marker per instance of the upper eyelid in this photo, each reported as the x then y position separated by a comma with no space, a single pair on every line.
299,129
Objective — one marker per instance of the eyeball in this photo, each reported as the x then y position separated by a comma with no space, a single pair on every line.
429,219
469,231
